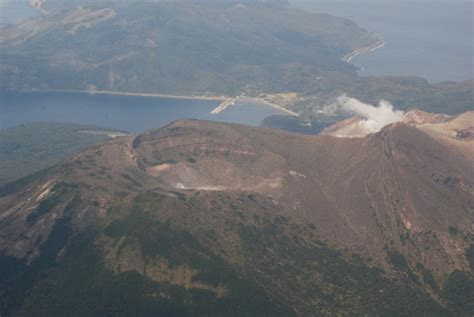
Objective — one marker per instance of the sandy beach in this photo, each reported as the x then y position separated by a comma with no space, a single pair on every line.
225,102
119,93
257,101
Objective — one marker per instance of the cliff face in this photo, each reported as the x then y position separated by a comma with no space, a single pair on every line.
200,217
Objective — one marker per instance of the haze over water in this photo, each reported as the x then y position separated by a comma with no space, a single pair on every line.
431,39
16,11
130,113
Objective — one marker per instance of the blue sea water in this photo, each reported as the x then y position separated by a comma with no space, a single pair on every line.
16,11
428,38
129,113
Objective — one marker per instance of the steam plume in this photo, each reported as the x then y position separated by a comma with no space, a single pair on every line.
376,117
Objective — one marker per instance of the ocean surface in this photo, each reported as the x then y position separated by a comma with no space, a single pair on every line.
129,113
428,38
16,11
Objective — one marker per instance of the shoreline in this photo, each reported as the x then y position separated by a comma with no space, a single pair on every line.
377,45
133,94
259,102
225,101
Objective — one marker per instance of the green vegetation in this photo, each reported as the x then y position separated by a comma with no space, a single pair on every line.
45,206
305,126
209,47
32,147
427,277
14,186
470,256
410,92
160,240
182,47
282,264
79,284
458,290
131,245
324,279
400,263
60,192
453,230
19,278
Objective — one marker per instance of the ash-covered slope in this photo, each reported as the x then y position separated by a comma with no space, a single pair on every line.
203,218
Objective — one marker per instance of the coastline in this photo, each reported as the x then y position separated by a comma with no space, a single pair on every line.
119,93
377,45
225,101
230,102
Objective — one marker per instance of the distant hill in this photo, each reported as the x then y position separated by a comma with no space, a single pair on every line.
404,92
206,47
413,93
202,218
178,47
32,147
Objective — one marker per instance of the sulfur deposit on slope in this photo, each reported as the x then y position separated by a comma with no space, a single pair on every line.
417,117
353,127
201,212
457,133
361,125
188,156
368,118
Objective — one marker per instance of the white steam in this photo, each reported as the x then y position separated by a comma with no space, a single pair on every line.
376,117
